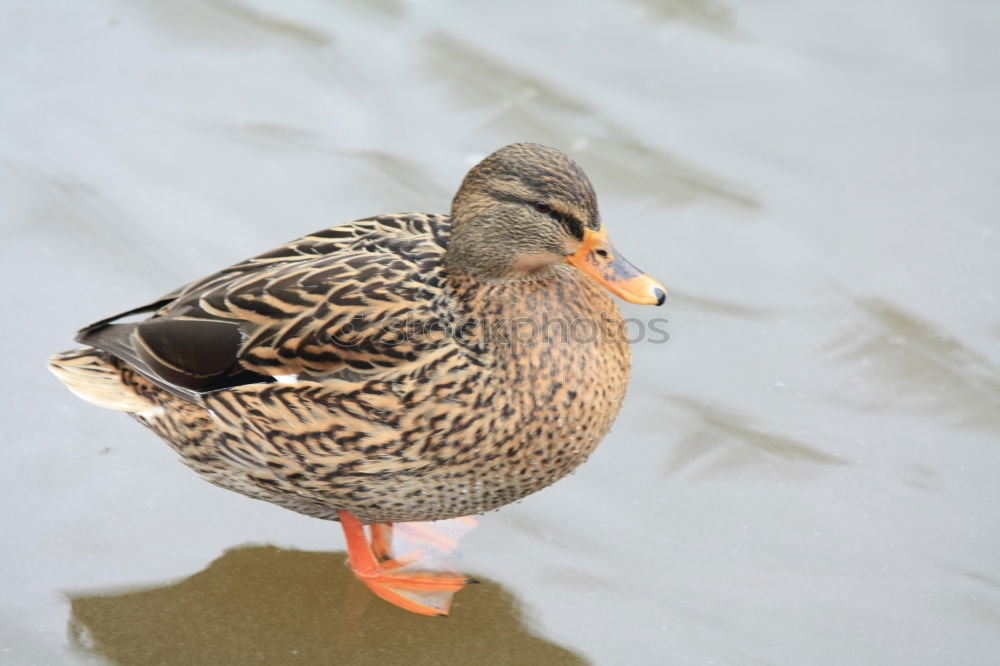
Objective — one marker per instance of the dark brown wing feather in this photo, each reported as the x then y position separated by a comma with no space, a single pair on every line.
352,299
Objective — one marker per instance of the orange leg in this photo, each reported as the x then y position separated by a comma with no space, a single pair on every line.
424,592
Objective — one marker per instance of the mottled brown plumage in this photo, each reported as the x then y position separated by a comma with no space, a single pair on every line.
401,368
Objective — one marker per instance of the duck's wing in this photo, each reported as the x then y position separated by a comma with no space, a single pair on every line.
353,301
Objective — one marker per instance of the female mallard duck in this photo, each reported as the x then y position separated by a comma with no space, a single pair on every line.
398,368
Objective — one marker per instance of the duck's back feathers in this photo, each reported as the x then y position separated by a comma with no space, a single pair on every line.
343,301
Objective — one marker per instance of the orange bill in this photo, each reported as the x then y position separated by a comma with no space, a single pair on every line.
599,259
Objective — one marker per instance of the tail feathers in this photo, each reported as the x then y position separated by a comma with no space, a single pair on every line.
89,374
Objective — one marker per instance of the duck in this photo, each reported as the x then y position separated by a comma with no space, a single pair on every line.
399,368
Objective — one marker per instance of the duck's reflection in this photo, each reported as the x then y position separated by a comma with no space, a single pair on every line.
268,605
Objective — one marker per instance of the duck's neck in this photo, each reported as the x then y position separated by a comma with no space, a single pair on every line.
494,244
553,318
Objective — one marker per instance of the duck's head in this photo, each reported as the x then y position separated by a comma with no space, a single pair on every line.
527,208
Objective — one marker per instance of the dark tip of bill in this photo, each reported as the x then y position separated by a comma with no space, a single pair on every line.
471,581
660,295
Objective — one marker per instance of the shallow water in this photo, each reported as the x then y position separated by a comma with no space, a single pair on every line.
806,473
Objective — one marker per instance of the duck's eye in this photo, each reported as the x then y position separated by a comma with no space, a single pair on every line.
543,207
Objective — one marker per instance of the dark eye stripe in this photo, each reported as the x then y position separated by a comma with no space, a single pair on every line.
573,225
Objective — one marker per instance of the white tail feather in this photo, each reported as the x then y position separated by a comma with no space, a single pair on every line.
90,376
